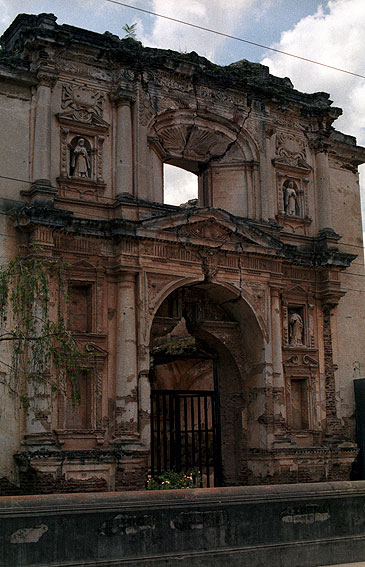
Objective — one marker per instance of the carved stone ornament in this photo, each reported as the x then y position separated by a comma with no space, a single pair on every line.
198,143
157,283
47,79
206,230
82,105
296,327
81,164
80,160
291,199
221,96
145,110
290,150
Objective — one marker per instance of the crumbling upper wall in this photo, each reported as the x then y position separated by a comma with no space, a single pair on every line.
255,142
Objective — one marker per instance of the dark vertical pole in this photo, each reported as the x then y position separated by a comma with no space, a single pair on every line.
158,432
359,386
192,432
177,433
199,398
217,428
164,424
152,436
171,427
206,425
186,434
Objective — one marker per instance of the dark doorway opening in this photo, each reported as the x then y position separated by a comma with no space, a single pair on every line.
195,337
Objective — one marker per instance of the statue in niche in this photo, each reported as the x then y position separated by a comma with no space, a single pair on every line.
296,329
80,162
291,199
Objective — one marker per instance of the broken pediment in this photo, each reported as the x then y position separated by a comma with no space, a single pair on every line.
208,229
83,265
212,227
82,119
95,350
297,290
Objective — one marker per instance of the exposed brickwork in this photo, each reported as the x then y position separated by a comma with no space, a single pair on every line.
329,370
36,482
322,465
132,473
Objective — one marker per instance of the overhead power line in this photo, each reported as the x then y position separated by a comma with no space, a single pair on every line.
203,28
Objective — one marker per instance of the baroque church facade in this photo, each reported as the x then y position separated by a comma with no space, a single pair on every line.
225,332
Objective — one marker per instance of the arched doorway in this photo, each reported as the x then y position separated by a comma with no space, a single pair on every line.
206,347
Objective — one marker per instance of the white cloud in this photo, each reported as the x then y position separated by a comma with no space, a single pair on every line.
335,37
6,15
215,14
179,185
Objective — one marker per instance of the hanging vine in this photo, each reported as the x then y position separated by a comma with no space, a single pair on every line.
43,358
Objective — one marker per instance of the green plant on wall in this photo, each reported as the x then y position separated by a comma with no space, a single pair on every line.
172,480
40,355
130,31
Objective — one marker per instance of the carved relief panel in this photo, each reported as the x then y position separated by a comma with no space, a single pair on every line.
82,135
84,421
293,182
298,322
301,381
300,358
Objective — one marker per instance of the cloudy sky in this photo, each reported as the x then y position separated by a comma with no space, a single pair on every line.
331,32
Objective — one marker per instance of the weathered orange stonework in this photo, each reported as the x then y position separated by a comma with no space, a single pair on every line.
225,332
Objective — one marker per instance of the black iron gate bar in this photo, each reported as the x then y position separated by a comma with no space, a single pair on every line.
184,433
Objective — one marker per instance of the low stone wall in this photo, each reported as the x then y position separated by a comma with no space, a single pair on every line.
283,525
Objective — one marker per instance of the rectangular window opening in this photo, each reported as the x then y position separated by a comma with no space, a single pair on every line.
299,403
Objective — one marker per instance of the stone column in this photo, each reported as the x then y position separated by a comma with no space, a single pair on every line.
276,333
124,142
323,190
126,426
277,356
42,129
333,422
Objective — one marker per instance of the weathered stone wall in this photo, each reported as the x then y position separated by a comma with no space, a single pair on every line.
312,525
267,246
15,115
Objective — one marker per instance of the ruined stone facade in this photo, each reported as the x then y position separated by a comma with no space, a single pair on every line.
254,292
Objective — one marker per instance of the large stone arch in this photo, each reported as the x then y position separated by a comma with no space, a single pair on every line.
228,292
222,153
222,324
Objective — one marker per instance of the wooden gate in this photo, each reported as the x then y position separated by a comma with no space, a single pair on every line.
185,433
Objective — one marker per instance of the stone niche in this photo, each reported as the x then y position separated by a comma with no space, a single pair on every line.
294,182
82,136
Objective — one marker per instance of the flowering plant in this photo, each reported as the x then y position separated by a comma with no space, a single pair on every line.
170,480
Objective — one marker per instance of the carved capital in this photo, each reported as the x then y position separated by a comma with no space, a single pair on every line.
47,79
121,96
127,278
